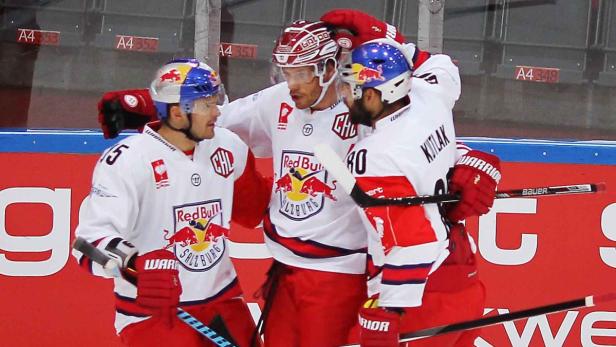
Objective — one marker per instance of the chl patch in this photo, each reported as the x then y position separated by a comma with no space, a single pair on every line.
222,161
343,127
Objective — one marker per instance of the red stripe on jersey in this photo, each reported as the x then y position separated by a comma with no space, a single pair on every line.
401,225
405,274
305,248
371,269
461,145
419,57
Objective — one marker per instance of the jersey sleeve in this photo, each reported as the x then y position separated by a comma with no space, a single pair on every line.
461,149
251,190
408,240
109,213
248,118
435,74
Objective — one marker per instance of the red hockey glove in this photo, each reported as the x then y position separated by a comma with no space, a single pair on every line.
125,109
475,177
158,284
379,327
362,26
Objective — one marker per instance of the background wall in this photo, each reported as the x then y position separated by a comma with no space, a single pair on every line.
532,252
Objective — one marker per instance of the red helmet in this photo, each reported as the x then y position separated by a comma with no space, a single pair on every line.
304,43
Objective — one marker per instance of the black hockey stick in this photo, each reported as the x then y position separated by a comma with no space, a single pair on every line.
97,256
336,167
587,301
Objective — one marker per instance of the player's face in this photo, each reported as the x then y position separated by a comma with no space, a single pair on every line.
359,113
303,85
204,114
357,109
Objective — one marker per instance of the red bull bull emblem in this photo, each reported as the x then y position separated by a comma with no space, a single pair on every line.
172,75
364,74
199,239
302,185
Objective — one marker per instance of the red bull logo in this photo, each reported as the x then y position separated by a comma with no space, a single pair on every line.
172,75
211,231
302,185
284,184
199,241
364,74
215,78
184,237
313,186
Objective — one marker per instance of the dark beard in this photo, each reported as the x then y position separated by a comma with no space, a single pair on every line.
359,114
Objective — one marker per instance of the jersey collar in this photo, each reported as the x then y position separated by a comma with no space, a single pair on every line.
392,118
148,130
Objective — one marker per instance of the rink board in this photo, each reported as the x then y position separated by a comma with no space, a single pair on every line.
532,251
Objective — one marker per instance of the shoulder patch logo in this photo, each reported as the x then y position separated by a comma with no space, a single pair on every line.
343,127
283,115
222,161
161,179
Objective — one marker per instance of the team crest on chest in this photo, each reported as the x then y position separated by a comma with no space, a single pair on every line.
161,178
198,239
302,185
343,127
222,161
283,115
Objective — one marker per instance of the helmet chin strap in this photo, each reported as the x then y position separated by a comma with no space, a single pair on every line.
325,85
186,131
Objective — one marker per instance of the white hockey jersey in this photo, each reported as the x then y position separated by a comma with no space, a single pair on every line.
312,223
410,152
148,192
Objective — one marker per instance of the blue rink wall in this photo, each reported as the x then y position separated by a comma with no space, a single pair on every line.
509,150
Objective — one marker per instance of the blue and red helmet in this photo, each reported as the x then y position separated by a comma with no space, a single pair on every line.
182,81
380,64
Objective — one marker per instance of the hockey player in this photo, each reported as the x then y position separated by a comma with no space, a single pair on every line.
313,230
425,273
161,203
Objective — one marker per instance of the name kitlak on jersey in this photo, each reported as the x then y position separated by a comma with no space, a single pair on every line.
435,143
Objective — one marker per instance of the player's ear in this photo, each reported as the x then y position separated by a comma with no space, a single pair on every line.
371,96
330,69
175,111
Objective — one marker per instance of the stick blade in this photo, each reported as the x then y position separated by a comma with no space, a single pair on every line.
328,157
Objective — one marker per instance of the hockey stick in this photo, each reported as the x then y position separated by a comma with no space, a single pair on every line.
336,167
587,301
97,256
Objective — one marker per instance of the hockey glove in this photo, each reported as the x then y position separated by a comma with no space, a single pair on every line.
475,177
158,284
362,26
379,327
125,109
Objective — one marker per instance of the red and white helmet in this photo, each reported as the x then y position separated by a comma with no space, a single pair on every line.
304,43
